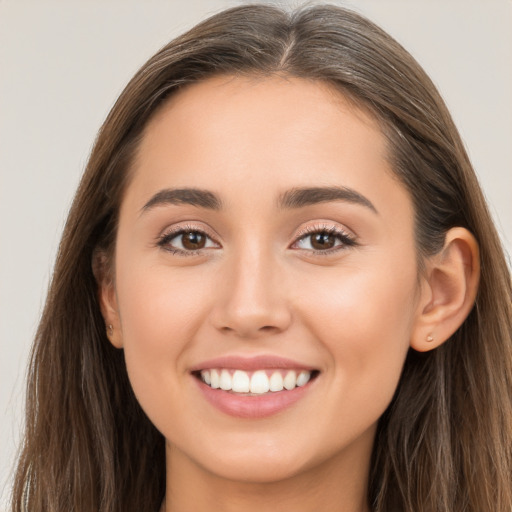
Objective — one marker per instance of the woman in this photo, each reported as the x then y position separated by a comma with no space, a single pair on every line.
279,287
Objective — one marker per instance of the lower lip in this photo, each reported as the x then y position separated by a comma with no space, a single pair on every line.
256,406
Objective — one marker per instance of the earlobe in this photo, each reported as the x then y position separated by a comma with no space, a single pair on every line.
448,290
107,299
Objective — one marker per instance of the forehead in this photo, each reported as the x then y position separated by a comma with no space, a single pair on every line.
278,91
260,102
237,135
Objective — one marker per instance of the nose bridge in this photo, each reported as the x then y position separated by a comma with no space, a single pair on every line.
253,300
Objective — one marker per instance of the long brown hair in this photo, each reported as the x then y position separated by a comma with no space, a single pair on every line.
445,441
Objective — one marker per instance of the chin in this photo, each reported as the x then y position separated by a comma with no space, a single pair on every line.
258,470
254,464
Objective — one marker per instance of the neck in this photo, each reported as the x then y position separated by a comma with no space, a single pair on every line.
339,483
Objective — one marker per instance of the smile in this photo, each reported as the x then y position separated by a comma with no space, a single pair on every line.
256,382
253,387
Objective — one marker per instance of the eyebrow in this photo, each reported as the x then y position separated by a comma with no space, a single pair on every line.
291,199
299,197
191,196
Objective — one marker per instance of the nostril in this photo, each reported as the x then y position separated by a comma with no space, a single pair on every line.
250,331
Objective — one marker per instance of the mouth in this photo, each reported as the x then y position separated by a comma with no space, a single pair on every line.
254,387
255,383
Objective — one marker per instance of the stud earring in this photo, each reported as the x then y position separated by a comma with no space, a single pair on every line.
110,331
430,338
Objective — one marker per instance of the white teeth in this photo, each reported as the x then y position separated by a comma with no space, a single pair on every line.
205,375
214,376
290,380
276,382
225,380
259,382
303,378
240,382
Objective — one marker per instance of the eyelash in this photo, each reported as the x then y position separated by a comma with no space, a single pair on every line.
165,240
346,239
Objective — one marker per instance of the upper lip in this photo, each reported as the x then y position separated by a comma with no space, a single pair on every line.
265,361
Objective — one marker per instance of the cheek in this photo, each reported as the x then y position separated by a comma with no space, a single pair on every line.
159,306
364,318
160,313
361,300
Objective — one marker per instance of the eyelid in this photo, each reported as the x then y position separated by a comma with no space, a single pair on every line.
330,227
187,226
177,229
349,239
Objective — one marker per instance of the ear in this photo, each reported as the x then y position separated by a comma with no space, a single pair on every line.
448,291
107,297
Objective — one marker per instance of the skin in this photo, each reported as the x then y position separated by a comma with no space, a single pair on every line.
352,312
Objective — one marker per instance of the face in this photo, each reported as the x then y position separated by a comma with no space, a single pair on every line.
265,246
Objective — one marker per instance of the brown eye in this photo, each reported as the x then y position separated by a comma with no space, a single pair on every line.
193,240
187,242
323,240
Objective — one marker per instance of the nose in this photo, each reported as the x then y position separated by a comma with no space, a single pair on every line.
253,300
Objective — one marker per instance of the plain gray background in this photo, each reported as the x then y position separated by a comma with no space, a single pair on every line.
62,64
